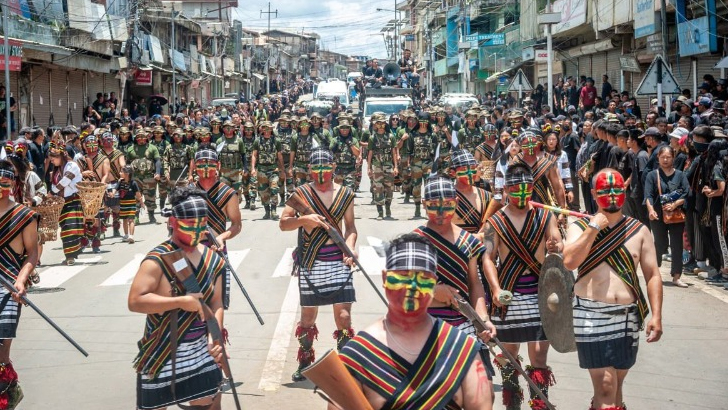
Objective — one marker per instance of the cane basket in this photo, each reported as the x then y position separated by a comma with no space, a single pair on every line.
92,197
50,213
487,169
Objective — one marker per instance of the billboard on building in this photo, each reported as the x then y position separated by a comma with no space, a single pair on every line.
645,20
16,55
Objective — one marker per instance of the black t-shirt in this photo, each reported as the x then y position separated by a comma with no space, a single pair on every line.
4,111
408,64
38,154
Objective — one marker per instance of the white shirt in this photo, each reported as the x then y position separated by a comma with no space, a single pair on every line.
69,183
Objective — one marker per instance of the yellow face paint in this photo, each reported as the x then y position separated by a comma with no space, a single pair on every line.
413,286
191,231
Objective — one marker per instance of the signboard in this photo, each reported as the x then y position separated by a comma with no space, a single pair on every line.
409,37
648,86
694,37
501,89
16,55
520,82
528,54
573,14
645,21
654,43
143,77
629,64
495,39
541,56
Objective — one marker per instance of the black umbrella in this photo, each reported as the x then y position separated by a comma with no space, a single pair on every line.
162,99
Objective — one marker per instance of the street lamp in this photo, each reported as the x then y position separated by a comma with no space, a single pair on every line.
396,23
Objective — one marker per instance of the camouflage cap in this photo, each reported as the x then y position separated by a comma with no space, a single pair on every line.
285,117
378,117
228,123
215,120
189,128
344,123
158,128
124,130
265,124
471,113
316,115
199,131
248,124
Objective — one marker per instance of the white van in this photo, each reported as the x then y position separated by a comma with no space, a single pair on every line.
326,91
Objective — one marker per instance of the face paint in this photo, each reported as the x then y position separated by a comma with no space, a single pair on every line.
206,169
6,187
465,175
609,187
416,288
529,146
440,211
520,194
322,173
141,140
516,122
92,147
423,126
490,136
228,130
189,232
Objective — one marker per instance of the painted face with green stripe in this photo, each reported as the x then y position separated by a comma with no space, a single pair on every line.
206,168
609,188
322,173
466,175
440,211
190,232
530,146
6,187
413,289
519,194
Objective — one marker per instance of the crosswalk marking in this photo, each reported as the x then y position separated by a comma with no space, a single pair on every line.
285,264
236,258
125,275
370,261
272,374
54,276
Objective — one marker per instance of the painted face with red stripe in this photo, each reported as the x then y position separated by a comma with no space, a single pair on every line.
609,189
519,194
440,211
466,175
190,232
412,290
6,187
530,146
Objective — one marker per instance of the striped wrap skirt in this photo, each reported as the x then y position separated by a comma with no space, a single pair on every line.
197,376
522,322
607,334
72,227
9,315
127,208
329,281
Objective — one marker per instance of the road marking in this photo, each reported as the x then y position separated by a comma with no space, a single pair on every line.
717,292
370,261
54,276
125,275
236,258
285,264
272,374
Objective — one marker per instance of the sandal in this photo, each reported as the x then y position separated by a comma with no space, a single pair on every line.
679,283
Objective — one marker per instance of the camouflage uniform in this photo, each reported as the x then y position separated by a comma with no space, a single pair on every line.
382,151
267,152
470,138
162,184
176,159
284,135
249,182
405,171
231,153
301,145
343,149
143,159
422,148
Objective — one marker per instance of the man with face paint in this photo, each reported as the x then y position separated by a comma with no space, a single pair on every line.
223,206
157,293
178,158
407,340
19,238
515,117
488,152
307,138
231,150
325,276
422,148
249,183
458,253
345,148
94,167
519,235
116,163
548,188
267,159
382,163
284,134
147,164
607,248
405,132
472,201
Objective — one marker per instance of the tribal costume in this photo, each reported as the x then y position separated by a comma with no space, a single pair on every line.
115,174
520,321
217,199
127,198
468,217
71,220
93,228
607,335
197,374
429,383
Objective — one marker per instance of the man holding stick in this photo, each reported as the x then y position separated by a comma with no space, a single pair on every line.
609,306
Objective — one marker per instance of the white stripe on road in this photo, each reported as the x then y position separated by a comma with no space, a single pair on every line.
272,375
236,258
125,275
370,261
285,264
54,276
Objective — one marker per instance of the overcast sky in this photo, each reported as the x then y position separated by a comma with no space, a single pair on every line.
346,27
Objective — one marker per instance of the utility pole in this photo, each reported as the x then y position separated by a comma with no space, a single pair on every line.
267,60
173,107
550,61
8,134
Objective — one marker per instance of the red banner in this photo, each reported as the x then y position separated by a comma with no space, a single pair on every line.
143,77
16,54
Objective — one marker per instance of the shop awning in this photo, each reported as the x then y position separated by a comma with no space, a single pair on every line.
260,77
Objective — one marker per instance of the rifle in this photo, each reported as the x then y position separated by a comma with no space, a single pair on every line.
222,254
182,268
464,307
180,175
302,208
11,288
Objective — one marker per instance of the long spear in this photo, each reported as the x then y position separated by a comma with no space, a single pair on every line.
562,211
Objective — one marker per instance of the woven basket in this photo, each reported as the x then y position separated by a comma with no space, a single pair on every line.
487,169
92,197
50,213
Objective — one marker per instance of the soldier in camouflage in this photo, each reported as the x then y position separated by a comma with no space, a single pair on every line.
204,139
125,140
318,129
345,147
215,131
442,131
147,165
301,145
267,166
249,182
284,135
422,148
231,154
382,162
403,135
162,144
178,158
470,136
189,136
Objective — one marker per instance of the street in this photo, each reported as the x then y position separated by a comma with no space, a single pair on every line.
685,370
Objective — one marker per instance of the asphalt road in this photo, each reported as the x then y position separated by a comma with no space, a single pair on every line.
685,370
